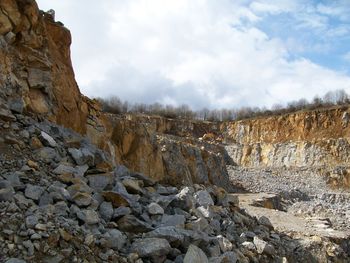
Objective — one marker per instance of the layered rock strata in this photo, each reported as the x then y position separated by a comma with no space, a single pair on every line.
312,138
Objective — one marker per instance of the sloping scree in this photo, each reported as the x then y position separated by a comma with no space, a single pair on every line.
66,208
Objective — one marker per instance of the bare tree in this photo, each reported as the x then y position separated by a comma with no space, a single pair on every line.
117,106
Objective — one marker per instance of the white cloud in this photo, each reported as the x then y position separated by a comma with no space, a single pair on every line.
275,7
200,52
336,8
338,31
312,21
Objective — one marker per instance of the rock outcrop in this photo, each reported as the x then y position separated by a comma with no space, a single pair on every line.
315,140
169,150
311,138
36,70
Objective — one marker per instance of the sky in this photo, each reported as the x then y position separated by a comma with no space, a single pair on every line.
205,53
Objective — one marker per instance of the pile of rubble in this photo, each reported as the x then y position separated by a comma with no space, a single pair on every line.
335,207
286,181
61,200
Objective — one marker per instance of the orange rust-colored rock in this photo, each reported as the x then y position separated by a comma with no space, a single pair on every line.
36,64
301,139
299,126
115,198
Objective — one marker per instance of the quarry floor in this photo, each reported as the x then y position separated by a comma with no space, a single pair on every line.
263,204
297,202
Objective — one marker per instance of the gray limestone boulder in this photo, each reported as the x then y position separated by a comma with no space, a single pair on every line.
46,154
228,257
263,247
155,209
33,192
130,223
47,140
6,194
99,182
151,247
6,115
106,211
90,217
195,255
82,156
114,239
225,244
173,220
203,198
174,235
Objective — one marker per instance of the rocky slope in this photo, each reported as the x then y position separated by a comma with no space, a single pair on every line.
61,201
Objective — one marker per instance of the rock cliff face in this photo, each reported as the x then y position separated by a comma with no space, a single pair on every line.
315,138
36,69
169,150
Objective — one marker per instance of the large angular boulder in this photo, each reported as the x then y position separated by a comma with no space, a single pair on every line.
195,255
151,247
130,223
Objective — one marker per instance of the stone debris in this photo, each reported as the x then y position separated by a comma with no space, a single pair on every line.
64,210
195,255
155,209
303,192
